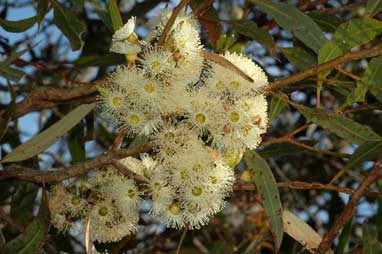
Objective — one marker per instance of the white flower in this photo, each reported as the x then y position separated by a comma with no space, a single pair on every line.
109,224
141,123
173,216
133,164
124,32
124,40
158,61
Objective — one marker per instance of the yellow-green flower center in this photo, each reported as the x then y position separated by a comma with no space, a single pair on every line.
76,201
131,193
235,84
200,118
134,119
149,88
219,85
117,101
197,191
157,186
174,209
103,211
155,65
234,117
213,179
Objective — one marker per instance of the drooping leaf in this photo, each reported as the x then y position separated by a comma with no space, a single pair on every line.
300,231
374,6
299,57
373,77
102,13
115,15
23,202
344,127
17,26
296,22
328,22
371,245
353,33
48,137
357,95
267,189
31,241
344,238
69,24
104,60
11,73
282,149
249,29
365,152
275,107
42,10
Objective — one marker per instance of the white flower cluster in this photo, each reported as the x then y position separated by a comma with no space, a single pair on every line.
197,113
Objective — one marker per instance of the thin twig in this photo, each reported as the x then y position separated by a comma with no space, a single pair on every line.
349,210
171,20
365,53
298,185
127,172
181,241
28,174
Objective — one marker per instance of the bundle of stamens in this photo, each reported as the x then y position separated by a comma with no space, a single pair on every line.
195,112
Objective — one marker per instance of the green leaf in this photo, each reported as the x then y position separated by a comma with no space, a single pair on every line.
371,245
11,73
373,6
104,60
33,238
23,202
296,22
327,22
102,13
115,15
42,10
301,231
299,57
275,108
69,24
17,26
344,127
373,77
357,95
249,29
14,56
48,137
344,238
348,35
365,152
267,189
279,150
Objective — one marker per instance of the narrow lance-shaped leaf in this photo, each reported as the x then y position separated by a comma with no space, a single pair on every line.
365,152
249,28
373,77
45,139
69,24
19,25
373,6
115,15
300,231
344,127
299,57
35,233
267,189
348,35
296,22
276,106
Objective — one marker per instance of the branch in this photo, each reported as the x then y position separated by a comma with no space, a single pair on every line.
127,172
171,20
49,97
365,53
349,210
28,174
298,185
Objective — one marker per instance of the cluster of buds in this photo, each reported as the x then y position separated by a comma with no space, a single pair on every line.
198,112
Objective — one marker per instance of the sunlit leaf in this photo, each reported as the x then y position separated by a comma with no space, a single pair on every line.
344,127
296,22
48,137
267,189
